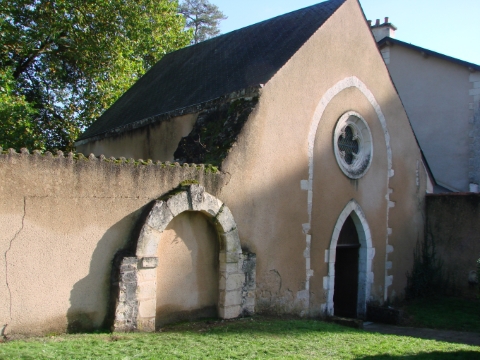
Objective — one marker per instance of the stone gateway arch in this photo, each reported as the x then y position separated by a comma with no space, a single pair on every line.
137,279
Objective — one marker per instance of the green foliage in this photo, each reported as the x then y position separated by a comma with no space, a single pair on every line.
250,338
16,126
63,62
426,278
215,132
203,18
445,313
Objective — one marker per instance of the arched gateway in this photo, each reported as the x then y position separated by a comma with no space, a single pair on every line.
136,304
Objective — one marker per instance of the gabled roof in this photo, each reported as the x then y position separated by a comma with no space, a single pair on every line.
392,41
196,74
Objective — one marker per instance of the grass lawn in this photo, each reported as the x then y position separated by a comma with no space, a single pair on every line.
445,313
249,338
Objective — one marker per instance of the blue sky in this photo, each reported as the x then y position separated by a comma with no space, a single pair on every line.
451,27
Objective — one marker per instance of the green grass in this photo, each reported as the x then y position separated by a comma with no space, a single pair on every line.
250,338
445,313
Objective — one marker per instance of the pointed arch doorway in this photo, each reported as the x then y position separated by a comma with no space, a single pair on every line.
349,256
345,295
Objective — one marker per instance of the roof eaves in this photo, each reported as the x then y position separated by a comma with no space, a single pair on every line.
388,41
191,109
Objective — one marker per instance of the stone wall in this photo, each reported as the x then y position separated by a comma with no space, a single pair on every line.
453,222
63,220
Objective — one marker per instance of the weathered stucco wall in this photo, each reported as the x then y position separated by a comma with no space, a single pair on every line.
270,192
280,181
157,142
438,105
453,223
63,220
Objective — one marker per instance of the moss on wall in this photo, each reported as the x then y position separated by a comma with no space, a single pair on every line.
215,132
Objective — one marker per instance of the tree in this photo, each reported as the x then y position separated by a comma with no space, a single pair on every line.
63,62
203,18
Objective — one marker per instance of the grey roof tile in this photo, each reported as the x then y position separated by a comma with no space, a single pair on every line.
237,60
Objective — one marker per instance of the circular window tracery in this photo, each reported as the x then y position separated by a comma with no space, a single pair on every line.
353,145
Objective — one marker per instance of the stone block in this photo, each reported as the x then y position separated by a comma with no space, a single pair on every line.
331,267
159,216
306,228
235,281
229,312
328,282
249,302
249,310
146,290
332,255
146,324
129,261
129,277
222,283
197,194
119,316
371,277
149,262
224,220
232,257
204,202
147,308
231,240
231,268
474,77
146,275
305,185
230,298
178,203
148,241
122,296
131,292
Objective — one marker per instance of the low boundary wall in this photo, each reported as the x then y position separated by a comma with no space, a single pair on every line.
453,222
63,219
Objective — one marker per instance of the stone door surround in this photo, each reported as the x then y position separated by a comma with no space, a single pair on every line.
136,305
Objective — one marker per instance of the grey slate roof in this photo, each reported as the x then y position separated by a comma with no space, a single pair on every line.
216,67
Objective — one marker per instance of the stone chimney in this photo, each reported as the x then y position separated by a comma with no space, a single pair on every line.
384,30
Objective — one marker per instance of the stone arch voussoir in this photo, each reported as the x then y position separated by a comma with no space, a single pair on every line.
136,305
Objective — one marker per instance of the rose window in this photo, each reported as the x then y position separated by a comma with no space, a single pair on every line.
352,144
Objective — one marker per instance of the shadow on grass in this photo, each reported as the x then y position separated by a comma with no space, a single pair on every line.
450,336
259,325
429,356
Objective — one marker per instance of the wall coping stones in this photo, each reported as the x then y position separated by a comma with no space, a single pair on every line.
71,156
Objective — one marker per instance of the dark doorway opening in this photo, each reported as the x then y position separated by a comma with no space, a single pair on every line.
345,295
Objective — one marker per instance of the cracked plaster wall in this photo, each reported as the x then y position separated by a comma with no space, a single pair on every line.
62,220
